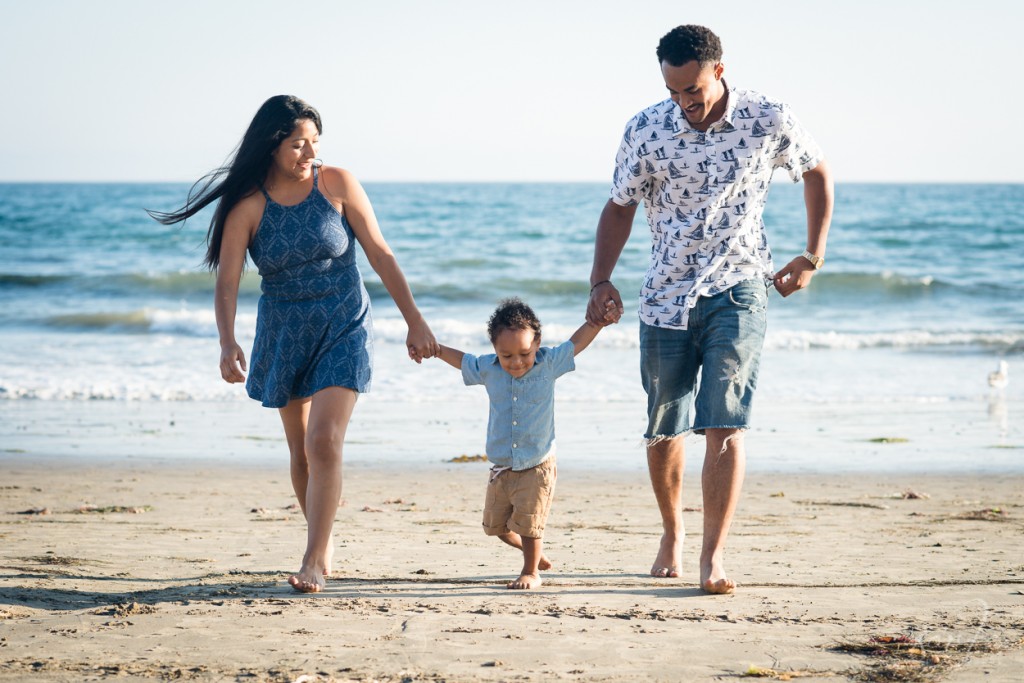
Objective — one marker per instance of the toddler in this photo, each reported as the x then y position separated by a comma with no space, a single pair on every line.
520,381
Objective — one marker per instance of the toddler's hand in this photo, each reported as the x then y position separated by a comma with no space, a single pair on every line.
612,313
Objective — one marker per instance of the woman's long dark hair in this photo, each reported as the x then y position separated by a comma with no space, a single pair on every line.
245,172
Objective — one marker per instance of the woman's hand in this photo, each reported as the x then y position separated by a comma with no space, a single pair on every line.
420,341
232,363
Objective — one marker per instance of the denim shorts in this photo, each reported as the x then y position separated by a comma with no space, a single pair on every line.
723,341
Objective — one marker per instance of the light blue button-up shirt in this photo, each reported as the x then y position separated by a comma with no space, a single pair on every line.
521,425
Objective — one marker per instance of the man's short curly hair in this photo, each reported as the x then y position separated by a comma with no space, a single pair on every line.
689,43
512,314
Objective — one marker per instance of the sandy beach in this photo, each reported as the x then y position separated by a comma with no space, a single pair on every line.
174,569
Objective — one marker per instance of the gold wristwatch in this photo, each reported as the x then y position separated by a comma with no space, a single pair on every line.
816,261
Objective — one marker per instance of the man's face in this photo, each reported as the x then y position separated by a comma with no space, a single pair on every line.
698,90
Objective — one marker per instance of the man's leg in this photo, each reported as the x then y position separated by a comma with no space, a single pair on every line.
665,460
732,338
721,481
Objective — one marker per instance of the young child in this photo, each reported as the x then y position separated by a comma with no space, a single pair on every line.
520,381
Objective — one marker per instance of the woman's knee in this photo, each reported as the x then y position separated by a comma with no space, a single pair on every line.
323,444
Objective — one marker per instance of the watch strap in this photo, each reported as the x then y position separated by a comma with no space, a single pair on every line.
816,261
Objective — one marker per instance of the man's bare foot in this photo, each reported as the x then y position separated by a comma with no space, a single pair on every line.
526,581
670,558
714,580
721,586
308,580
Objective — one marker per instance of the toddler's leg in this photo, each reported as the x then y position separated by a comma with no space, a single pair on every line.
533,551
516,541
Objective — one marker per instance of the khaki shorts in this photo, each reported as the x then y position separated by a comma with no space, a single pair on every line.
520,501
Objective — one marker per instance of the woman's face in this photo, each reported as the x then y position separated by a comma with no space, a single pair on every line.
293,158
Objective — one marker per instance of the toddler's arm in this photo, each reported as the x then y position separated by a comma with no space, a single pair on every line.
452,357
582,337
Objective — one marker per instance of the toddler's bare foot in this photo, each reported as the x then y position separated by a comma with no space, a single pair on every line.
670,558
308,580
526,582
544,563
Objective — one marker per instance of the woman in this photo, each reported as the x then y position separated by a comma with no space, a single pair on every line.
312,354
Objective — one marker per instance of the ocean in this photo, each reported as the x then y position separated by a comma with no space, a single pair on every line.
922,294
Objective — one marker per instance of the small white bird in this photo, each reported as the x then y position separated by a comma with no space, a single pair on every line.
1001,377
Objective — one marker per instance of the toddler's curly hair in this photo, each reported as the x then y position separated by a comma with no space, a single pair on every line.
512,314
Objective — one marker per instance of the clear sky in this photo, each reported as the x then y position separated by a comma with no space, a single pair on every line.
897,90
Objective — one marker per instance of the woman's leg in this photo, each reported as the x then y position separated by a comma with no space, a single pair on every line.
294,417
327,421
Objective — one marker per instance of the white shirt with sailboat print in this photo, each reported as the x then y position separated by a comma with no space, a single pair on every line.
704,195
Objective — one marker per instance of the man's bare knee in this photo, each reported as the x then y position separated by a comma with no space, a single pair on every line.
719,441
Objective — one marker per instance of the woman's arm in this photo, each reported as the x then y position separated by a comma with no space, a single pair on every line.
238,230
359,213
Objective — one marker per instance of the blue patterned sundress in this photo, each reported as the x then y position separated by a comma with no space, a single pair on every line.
313,326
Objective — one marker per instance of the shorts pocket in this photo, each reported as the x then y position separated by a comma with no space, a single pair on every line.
750,295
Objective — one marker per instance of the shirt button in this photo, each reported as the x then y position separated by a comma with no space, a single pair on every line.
515,445
515,423
515,398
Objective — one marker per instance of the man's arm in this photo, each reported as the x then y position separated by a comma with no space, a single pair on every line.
582,337
818,199
452,357
613,230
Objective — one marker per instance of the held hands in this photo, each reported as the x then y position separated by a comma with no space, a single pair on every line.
231,357
605,305
795,276
420,342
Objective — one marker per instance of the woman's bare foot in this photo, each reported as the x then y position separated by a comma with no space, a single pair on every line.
308,579
526,582
330,558
670,558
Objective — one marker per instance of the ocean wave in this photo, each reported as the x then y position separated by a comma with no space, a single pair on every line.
1008,342
22,280
178,283
184,322
86,391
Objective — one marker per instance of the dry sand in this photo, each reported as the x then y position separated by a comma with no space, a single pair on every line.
178,573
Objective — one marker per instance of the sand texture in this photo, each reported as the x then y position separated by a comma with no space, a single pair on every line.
140,571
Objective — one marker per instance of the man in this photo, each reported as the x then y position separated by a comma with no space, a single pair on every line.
701,162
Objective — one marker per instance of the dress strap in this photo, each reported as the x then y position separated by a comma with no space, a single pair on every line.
264,191
316,177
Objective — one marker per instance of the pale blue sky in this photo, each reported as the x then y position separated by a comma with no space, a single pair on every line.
904,90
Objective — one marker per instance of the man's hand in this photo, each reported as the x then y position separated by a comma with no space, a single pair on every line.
605,305
795,276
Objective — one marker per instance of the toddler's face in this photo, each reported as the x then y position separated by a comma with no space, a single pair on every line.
517,350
